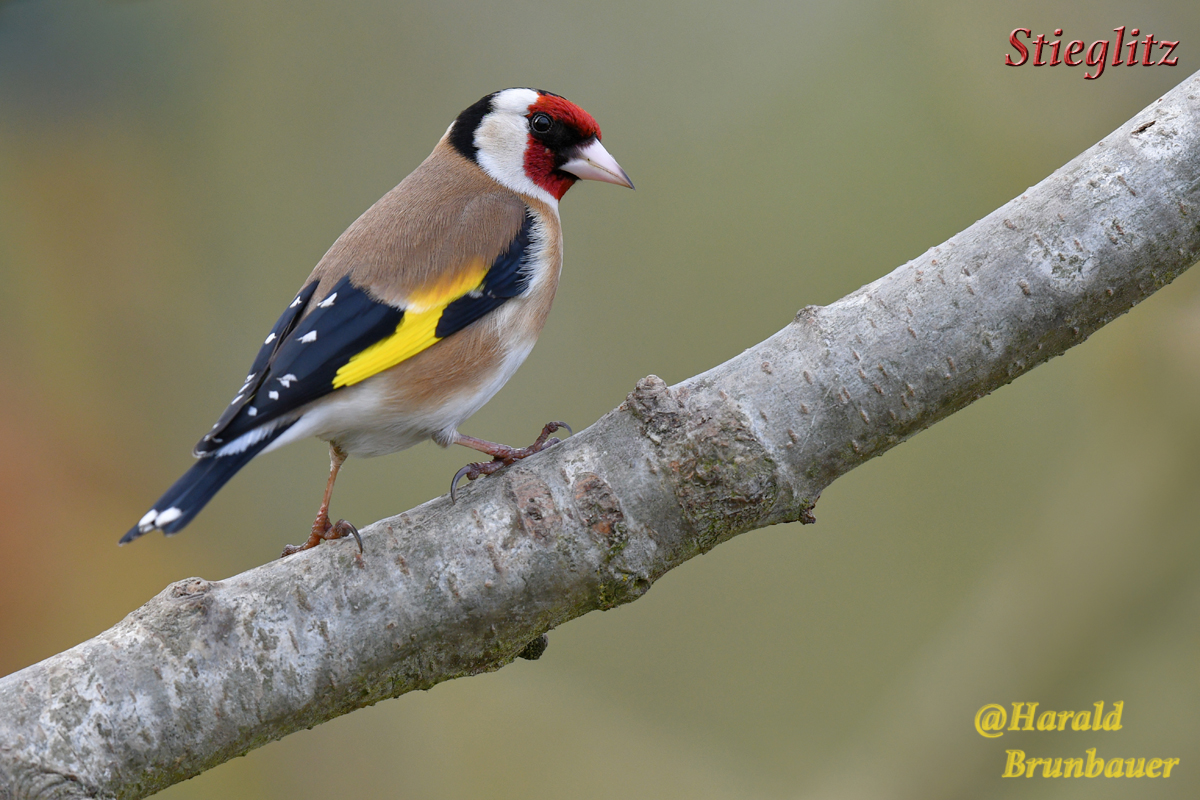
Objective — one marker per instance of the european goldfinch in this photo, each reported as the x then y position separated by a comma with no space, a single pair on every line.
420,311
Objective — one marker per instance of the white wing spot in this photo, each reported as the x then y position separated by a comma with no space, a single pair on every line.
295,302
168,516
252,411
311,336
286,380
328,301
270,338
146,522
273,395
250,377
239,397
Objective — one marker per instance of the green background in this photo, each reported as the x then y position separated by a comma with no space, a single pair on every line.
170,172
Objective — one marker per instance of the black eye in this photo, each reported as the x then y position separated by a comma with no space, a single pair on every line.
540,123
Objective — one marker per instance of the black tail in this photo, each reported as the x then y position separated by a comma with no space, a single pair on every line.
191,493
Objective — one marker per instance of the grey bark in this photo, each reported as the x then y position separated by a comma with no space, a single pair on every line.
209,670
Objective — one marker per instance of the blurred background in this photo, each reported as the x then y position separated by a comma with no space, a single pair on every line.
171,171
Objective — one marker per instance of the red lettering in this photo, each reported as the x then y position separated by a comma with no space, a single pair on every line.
1037,54
1164,60
1022,49
1149,41
1076,52
1133,48
1117,55
1093,61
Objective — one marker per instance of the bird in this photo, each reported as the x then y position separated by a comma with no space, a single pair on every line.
419,312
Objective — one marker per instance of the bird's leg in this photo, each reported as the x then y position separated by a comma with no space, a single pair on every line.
322,528
502,455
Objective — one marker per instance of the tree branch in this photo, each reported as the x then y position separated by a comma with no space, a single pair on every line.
209,670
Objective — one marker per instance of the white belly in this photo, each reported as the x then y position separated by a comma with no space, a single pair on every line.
362,421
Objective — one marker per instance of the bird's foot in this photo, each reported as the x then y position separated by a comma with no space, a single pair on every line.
503,455
322,530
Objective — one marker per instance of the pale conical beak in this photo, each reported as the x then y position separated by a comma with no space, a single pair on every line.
593,163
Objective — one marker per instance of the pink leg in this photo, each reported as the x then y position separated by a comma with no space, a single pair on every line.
322,529
502,455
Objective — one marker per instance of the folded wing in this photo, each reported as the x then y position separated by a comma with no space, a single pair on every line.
320,345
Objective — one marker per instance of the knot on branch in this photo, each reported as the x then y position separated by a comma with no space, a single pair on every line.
719,471
601,512
189,587
534,650
655,407
808,314
596,505
537,514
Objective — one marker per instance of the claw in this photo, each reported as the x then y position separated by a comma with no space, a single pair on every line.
457,477
549,428
322,531
344,528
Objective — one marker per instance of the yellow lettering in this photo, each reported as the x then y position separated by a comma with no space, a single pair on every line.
1063,716
1112,722
1153,767
1057,772
1031,766
1131,772
1046,721
1115,768
1015,767
1082,721
1076,763
1018,716
990,720
1167,764
1094,765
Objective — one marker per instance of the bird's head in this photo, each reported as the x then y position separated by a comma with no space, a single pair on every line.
534,142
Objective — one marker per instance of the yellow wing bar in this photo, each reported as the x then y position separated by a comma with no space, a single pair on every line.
417,330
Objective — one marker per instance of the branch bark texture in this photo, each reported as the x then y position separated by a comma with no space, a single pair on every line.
209,670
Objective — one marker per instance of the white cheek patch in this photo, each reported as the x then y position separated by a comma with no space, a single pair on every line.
501,139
